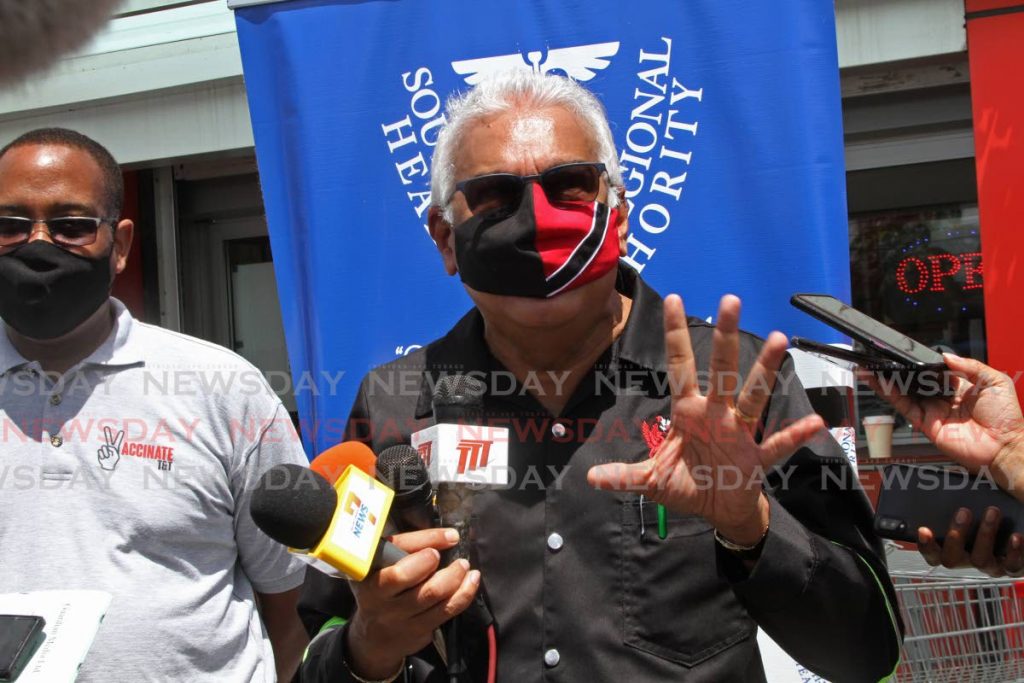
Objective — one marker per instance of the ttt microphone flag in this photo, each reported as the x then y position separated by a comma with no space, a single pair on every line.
726,114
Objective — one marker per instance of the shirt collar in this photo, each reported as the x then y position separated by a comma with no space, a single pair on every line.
642,342
122,347
464,350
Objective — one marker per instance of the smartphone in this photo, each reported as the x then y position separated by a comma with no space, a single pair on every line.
899,361
20,637
862,359
914,496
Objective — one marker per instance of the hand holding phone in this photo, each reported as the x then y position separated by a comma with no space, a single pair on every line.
952,550
897,361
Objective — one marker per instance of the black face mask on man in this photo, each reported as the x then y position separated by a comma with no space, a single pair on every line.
46,291
538,249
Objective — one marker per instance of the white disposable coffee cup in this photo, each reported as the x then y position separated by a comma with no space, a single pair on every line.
879,432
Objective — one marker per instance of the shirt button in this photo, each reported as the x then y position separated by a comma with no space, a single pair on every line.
55,400
555,542
558,430
56,441
551,657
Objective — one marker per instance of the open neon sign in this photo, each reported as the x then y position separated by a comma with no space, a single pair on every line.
930,273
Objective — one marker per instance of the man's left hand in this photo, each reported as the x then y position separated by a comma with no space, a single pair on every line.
710,463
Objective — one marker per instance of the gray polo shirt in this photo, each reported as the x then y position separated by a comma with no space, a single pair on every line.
132,474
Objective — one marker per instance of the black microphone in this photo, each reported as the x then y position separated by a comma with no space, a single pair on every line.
297,507
457,399
401,468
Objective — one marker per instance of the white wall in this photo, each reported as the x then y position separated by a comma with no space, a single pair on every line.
879,31
164,80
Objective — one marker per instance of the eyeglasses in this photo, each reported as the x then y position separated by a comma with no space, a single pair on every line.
69,231
577,182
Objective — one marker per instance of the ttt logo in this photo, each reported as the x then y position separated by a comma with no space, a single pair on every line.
473,454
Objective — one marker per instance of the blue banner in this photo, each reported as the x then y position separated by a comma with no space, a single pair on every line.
726,113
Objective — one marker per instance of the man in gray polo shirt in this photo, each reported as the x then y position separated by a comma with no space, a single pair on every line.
127,452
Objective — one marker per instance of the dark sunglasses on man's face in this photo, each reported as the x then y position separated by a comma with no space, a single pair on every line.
69,231
579,182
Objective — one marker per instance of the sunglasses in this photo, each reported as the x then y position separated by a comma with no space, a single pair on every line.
69,231
578,182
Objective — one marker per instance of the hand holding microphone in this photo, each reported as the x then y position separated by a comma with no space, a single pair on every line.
399,611
402,597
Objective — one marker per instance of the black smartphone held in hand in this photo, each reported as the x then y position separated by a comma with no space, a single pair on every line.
20,637
901,364
914,496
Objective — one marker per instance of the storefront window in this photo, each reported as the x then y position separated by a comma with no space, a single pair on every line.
920,271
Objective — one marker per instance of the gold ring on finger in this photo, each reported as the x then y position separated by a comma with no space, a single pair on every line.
743,417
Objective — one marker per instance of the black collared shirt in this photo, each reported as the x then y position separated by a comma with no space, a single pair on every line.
580,584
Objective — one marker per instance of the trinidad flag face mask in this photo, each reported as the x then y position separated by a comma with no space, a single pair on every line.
539,250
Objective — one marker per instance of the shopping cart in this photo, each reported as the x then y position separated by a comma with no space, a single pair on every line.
960,627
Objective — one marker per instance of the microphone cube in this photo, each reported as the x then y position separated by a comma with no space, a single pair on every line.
464,454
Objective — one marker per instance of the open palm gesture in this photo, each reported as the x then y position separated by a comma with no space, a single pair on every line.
710,463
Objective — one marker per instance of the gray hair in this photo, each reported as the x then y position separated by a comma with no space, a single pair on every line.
519,89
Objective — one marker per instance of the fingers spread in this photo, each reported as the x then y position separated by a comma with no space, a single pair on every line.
753,399
784,443
619,476
725,351
678,350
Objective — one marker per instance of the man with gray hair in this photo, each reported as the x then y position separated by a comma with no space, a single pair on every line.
659,514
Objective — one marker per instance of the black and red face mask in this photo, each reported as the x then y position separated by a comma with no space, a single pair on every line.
539,249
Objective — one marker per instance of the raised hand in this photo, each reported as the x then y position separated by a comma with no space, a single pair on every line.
711,439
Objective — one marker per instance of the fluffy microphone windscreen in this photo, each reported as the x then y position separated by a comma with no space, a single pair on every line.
36,33
293,505
333,462
401,468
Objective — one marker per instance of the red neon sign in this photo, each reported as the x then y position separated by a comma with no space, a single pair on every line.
915,274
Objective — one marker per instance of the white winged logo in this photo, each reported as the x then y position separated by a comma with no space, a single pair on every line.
581,62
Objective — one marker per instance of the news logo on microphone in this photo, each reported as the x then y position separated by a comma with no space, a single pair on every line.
464,454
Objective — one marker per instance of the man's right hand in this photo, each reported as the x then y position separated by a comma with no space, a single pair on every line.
398,607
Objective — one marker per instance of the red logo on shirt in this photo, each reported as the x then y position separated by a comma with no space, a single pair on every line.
654,432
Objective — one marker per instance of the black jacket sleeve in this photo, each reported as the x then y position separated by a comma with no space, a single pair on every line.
821,582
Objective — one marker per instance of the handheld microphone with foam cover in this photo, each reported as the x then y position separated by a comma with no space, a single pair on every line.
401,468
36,33
337,529
332,463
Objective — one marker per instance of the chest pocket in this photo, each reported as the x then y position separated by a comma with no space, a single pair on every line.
675,605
